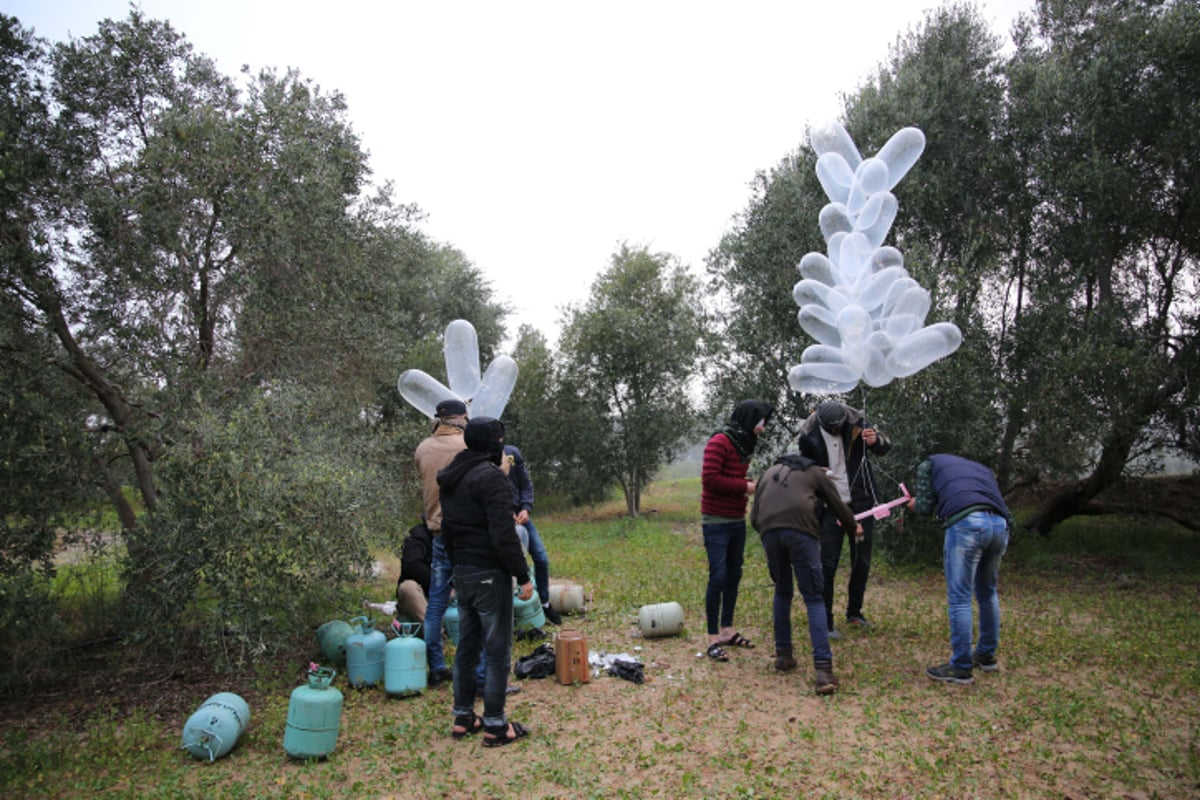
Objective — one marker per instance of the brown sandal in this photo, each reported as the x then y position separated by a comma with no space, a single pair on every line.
737,640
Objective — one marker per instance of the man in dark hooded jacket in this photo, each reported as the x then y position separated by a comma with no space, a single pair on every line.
785,515
477,526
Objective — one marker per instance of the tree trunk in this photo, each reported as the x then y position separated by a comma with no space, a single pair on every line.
1116,446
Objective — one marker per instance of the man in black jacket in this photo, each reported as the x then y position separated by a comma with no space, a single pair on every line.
477,526
838,438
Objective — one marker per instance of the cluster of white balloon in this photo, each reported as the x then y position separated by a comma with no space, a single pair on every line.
858,302
485,396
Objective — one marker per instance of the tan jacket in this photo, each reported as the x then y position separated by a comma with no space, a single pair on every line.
432,454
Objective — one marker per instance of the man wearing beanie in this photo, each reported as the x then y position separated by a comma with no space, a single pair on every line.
432,454
477,527
839,439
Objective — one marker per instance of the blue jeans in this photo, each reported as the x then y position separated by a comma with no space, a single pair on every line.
725,544
439,598
791,552
541,563
832,535
485,606
971,556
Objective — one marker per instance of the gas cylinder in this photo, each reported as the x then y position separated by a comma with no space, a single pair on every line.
215,727
528,614
364,654
566,598
571,657
660,619
404,668
332,638
450,621
314,716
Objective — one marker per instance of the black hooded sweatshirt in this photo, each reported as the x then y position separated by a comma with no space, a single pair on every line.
477,520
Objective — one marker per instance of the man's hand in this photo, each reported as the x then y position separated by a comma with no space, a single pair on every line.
858,532
750,487
526,590
870,436
521,516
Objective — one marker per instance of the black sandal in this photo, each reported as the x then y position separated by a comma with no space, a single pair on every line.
737,640
716,652
497,736
470,723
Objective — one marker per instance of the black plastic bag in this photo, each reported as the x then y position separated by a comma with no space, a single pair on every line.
629,670
538,664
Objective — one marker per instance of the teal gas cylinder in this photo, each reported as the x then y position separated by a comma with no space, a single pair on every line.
314,716
213,730
404,669
364,654
527,614
332,639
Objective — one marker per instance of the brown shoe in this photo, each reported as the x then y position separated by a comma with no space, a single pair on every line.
784,662
827,682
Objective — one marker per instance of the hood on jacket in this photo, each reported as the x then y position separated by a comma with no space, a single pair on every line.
464,461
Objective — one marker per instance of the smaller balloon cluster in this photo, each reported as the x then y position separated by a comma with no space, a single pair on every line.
485,396
858,302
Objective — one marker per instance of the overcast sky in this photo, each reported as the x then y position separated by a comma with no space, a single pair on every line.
537,136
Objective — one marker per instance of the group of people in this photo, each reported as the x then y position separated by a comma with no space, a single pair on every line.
477,528
478,496
804,508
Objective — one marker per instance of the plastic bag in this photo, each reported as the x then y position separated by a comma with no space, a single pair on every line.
538,664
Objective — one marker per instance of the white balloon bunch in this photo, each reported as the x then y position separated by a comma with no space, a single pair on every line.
485,397
858,302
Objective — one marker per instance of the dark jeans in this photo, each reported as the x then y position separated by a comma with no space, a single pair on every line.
541,563
439,599
832,534
485,630
792,552
725,544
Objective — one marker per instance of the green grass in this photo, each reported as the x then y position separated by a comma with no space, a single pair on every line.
1098,693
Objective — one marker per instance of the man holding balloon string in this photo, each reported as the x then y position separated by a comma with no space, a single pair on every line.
839,438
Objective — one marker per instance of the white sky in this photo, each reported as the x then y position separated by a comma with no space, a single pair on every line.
537,136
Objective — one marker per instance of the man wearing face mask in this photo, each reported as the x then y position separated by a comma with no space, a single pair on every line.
483,545
839,438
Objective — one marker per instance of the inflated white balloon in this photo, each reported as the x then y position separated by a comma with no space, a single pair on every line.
831,137
920,349
901,152
817,267
886,256
853,255
870,177
461,347
874,289
820,324
914,301
875,372
495,389
834,218
877,217
803,380
423,391
835,177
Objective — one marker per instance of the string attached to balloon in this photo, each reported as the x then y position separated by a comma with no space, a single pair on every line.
856,300
485,395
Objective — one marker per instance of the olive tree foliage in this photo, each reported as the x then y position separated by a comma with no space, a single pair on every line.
1053,217
561,431
200,263
629,353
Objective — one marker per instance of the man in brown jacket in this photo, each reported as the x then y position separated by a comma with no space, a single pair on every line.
433,453
785,513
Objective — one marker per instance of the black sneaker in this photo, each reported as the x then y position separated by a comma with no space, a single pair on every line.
552,616
439,676
948,673
834,634
986,663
